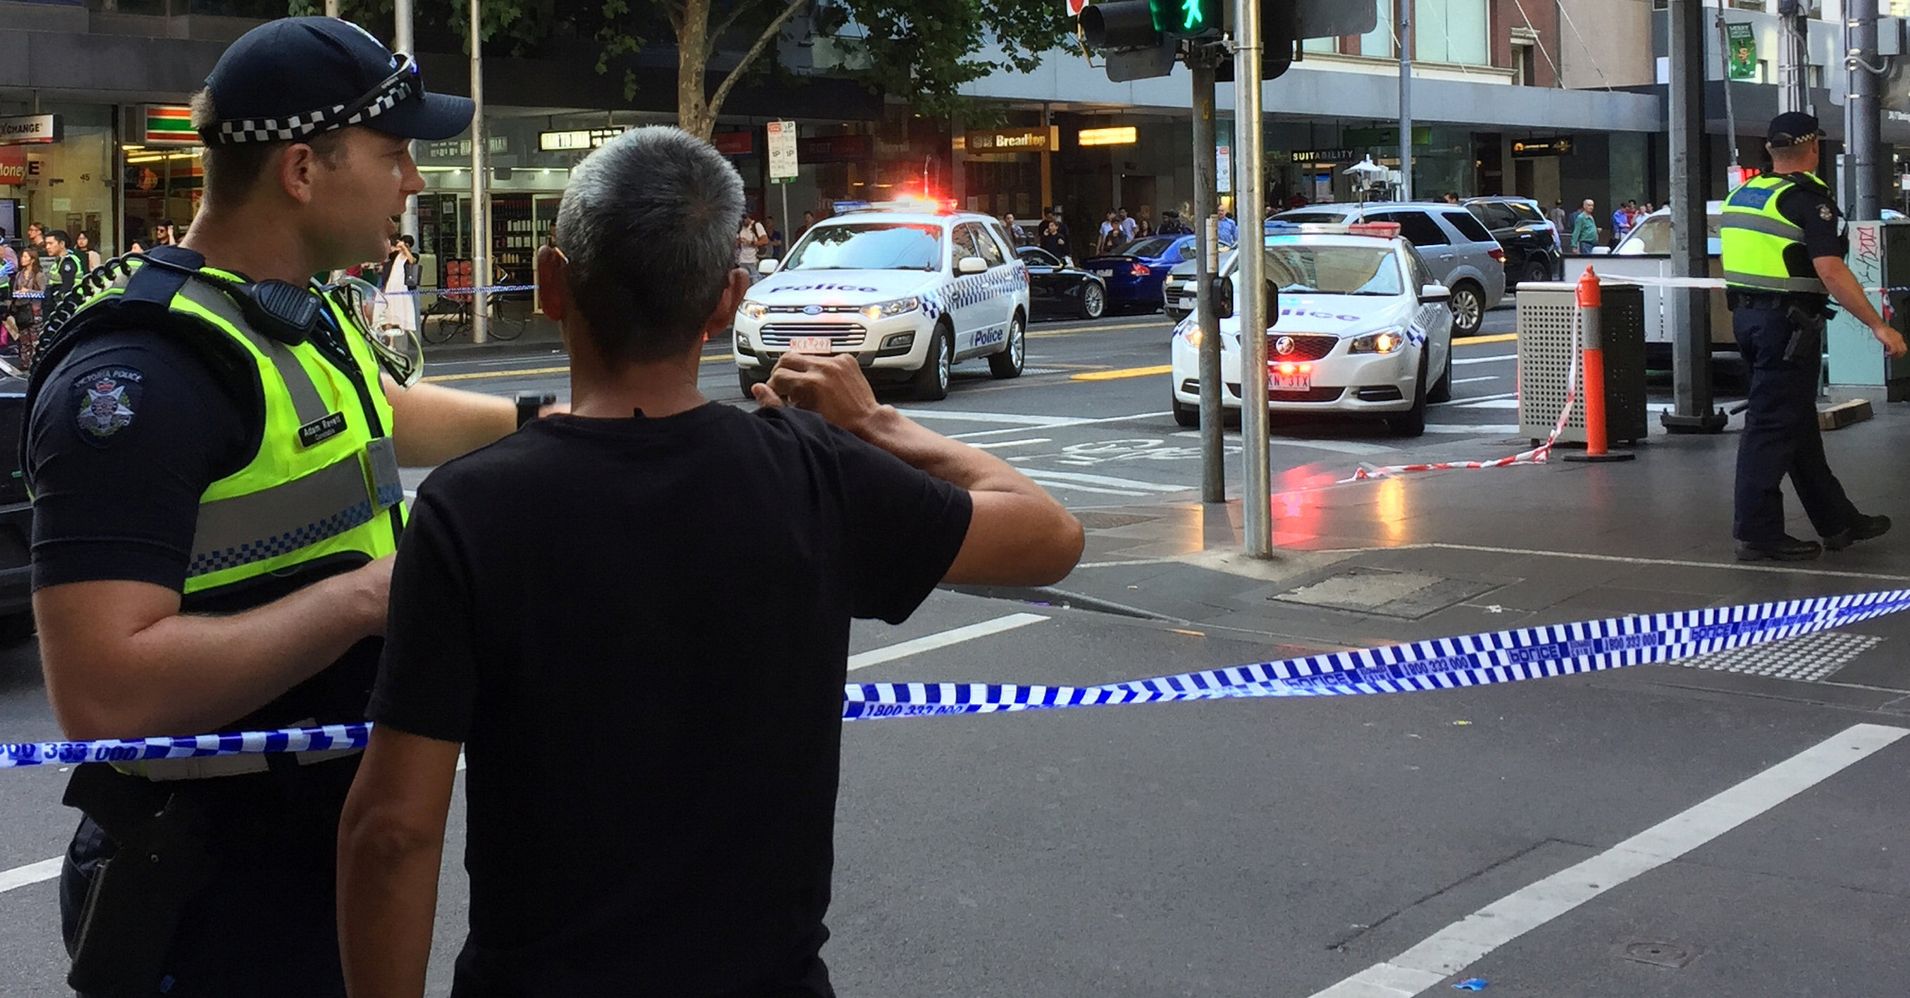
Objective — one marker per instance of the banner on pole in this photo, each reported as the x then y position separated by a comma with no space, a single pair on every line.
1741,44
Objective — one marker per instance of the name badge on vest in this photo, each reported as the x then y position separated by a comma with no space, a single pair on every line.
321,429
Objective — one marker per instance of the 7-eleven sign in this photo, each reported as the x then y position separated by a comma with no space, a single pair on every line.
169,125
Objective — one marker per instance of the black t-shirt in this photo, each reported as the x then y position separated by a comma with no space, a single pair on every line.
1809,206
129,430
639,629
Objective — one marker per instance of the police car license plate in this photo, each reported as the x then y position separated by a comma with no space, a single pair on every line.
1295,381
810,344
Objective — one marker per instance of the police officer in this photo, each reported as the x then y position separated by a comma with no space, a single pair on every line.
213,448
1784,244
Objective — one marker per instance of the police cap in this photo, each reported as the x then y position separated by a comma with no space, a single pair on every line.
1792,128
290,79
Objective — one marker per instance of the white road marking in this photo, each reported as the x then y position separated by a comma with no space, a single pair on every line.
1457,946
1474,381
1480,429
32,873
862,660
1475,398
990,417
1495,358
1097,490
1068,422
1490,404
1119,483
998,444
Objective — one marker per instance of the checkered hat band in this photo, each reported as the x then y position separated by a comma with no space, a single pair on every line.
310,123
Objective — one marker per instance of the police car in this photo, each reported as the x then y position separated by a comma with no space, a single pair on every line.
1363,328
909,288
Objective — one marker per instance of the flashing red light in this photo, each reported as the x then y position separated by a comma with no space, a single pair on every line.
1286,368
1140,270
1385,230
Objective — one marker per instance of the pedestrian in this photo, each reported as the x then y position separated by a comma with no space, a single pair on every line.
1584,228
36,236
9,260
1128,226
1557,217
1451,197
162,232
1109,236
808,222
63,269
84,252
28,312
723,806
1054,234
1143,223
751,239
1783,244
1014,231
1171,225
1622,221
775,247
396,306
214,463
1228,230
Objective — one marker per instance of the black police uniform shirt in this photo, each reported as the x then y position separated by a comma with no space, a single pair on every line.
127,433
1809,207
639,629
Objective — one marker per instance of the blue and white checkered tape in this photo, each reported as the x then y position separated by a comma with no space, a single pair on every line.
356,515
1439,664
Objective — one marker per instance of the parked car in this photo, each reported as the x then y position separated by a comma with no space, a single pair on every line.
1531,244
1056,289
16,517
1134,273
1461,252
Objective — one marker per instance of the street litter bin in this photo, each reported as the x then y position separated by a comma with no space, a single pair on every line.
1546,312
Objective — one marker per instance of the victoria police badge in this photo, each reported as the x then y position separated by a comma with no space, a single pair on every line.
108,399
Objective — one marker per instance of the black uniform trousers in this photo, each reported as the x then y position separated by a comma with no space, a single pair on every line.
1780,430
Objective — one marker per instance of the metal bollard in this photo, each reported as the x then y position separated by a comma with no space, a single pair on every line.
1590,304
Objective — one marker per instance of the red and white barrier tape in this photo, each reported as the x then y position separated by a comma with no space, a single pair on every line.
1537,455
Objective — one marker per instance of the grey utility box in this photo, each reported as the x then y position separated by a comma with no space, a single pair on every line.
1545,317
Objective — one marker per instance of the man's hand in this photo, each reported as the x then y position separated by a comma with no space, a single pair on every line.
1893,346
831,386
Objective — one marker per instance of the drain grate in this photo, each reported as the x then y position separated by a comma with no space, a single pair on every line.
1808,658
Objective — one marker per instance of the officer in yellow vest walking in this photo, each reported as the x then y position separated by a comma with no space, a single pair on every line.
213,448
1784,245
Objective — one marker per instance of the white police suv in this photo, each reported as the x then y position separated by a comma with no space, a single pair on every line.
909,288
1363,328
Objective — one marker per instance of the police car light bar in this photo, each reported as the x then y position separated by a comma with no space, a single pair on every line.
927,206
1382,230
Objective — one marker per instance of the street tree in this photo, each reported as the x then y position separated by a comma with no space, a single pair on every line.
920,50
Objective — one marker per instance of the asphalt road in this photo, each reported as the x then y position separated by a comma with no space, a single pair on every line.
1626,834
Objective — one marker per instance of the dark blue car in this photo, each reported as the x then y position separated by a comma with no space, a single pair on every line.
1134,273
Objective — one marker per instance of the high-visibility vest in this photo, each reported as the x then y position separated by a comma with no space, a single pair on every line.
1753,236
322,484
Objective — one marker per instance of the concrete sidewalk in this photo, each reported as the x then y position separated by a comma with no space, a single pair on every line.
1461,552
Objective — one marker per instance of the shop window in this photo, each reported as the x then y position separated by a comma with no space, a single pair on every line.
1451,31
1378,42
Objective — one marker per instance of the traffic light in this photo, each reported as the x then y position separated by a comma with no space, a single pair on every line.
1190,18
1120,25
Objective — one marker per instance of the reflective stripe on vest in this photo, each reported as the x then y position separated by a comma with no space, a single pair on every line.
1753,235
299,498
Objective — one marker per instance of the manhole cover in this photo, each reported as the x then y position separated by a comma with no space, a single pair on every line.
1808,658
1098,520
1408,595
1671,955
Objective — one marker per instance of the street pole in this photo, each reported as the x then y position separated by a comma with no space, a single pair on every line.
1405,8
1689,310
401,39
1793,93
1250,284
1213,470
334,8
1730,114
1864,109
480,189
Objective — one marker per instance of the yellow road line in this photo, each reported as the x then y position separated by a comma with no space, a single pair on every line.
1128,372
1499,338
532,372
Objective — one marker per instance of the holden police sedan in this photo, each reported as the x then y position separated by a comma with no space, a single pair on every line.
1363,329
909,292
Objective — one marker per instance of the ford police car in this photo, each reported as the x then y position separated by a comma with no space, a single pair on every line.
1363,328
907,288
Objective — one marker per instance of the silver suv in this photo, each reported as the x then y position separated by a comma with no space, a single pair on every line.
1461,252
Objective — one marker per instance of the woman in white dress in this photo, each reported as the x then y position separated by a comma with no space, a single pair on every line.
397,310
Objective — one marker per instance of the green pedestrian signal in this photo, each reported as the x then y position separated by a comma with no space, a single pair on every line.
1188,18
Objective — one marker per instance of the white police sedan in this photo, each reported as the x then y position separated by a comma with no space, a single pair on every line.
1363,329
910,289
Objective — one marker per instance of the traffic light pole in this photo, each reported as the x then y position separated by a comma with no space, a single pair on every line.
1250,284
1688,310
1213,468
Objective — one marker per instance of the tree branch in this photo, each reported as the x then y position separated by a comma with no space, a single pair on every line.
774,30
723,28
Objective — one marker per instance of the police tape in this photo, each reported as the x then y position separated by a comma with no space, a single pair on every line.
1711,283
1488,659
410,292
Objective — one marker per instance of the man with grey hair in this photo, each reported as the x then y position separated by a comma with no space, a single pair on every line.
687,641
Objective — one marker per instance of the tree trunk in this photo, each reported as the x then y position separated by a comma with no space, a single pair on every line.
693,111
